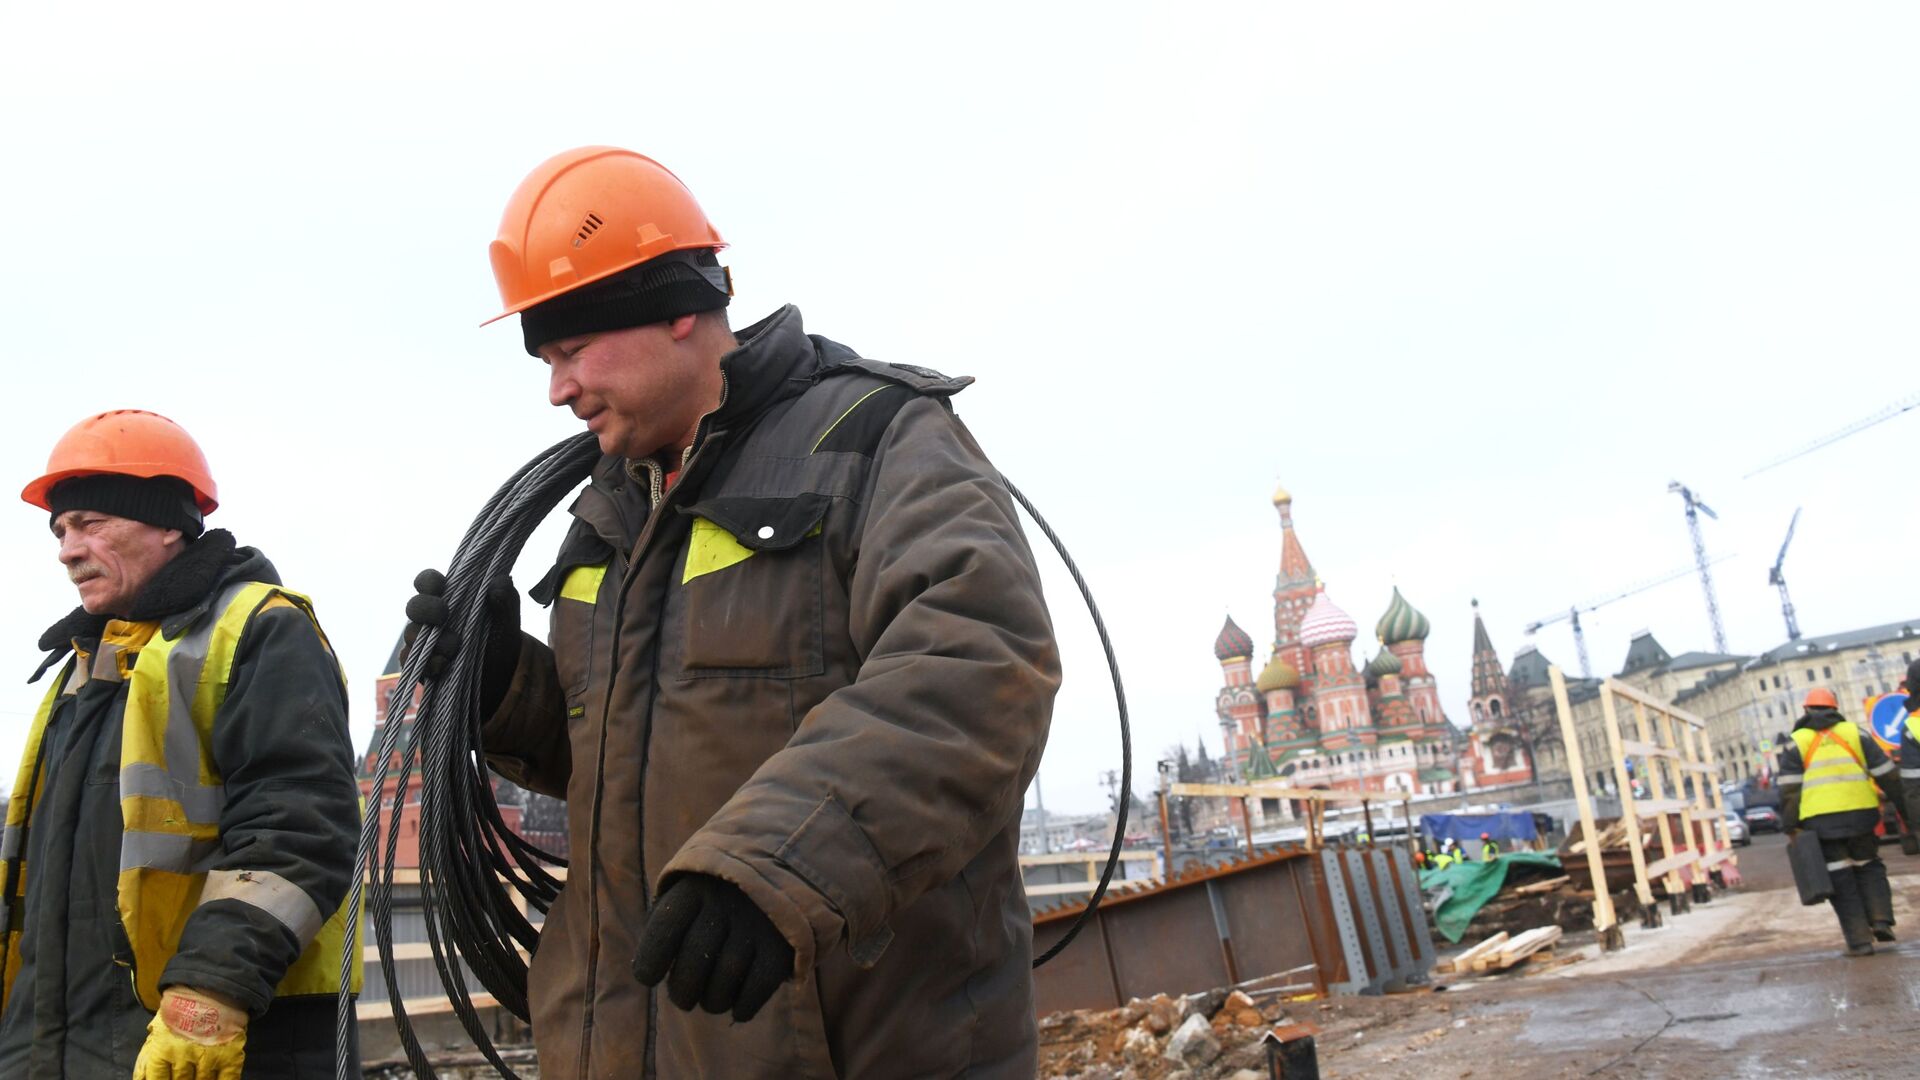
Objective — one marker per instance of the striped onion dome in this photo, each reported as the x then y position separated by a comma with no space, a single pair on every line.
1326,623
1277,675
1233,642
1384,664
1401,622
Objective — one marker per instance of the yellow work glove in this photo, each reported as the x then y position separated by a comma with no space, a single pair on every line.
195,1036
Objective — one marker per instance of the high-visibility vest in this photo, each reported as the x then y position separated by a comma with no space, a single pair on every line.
1836,777
171,799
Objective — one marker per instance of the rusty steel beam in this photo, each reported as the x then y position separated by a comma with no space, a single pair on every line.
1347,915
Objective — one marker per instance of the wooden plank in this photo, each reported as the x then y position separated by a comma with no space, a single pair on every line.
1647,750
1541,886
1643,888
1520,948
1652,808
1646,700
1716,858
1603,914
1671,863
1464,961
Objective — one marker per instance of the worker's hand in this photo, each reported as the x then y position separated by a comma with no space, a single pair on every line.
714,947
196,1035
428,607
1909,844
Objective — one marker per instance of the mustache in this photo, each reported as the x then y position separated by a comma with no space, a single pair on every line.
86,572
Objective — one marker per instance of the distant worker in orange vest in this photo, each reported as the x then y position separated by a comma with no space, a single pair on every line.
1827,778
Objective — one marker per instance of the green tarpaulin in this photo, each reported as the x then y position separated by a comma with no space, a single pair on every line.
1474,884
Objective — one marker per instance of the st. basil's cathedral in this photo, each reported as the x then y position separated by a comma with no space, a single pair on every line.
1310,715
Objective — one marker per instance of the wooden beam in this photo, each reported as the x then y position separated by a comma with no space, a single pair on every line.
1464,961
1641,697
1603,916
1648,750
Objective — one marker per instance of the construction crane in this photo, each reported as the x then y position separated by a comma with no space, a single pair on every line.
1573,613
1694,509
1775,577
1903,405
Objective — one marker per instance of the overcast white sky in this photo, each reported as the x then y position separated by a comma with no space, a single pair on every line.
1474,281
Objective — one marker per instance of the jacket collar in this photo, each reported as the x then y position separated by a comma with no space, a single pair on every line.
774,360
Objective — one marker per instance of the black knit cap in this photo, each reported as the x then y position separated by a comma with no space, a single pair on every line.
658,290
163,501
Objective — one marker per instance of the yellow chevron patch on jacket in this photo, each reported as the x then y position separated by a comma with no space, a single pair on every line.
711,548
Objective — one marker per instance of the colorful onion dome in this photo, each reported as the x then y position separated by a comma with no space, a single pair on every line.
1326,623
1277,675
1401,622
1233,643
1384,664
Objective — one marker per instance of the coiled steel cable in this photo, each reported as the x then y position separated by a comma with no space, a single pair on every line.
465,847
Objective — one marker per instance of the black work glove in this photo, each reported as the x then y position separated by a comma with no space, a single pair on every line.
428,607
714,947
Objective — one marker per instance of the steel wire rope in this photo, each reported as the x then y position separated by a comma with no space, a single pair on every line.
458,887
470,922
1126,735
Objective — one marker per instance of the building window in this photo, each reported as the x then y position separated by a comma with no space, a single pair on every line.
1809,674
1763,686
1826,672
1776,682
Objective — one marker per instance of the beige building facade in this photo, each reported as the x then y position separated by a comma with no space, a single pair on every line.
1749,703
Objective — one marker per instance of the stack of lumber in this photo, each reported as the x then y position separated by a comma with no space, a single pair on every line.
1501,951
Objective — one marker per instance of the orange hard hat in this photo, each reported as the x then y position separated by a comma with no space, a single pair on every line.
127,442
1821,696
588,214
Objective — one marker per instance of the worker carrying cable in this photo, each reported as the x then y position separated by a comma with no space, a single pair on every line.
798,676
180,838
1827,779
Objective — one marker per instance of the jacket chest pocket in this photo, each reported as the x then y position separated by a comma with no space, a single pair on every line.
750,587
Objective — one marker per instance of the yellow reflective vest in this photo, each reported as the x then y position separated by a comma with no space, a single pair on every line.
171,799
1836,778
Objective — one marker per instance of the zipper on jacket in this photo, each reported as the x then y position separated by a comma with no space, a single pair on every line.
656,499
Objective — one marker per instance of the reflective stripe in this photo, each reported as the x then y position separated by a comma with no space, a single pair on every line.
1852,776
10,841
1840,864
286,902
1790,780
1909,774
583,583
166,851
201,802
1882,769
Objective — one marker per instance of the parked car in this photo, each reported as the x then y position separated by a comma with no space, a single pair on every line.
1762,819
1737,831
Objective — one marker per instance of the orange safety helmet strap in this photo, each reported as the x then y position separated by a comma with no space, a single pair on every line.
587,214
126,442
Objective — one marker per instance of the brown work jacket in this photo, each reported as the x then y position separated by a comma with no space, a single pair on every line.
818,666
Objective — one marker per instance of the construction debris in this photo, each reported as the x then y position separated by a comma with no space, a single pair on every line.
1211,1034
